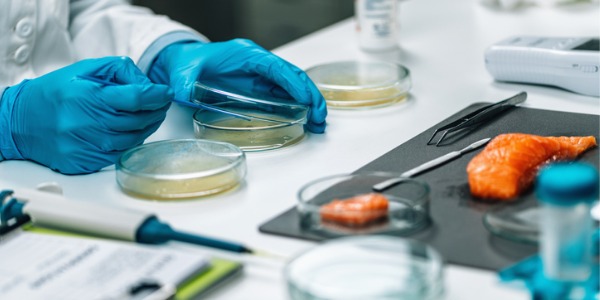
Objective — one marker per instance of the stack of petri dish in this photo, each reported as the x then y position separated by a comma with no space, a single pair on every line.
249,121
176,169
361,84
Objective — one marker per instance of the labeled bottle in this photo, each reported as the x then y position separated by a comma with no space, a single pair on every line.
566,193
376,24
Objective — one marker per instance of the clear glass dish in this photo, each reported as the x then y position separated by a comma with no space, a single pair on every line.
518,222
360,85
323,211
175,169
250,122
373,267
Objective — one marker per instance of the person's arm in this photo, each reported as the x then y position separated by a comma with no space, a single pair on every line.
115,27
173,54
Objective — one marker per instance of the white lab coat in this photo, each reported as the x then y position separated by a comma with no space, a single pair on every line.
39,36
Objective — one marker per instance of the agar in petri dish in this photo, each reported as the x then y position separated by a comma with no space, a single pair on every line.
332,206
366,267
251,135
249,122
176,169
361,85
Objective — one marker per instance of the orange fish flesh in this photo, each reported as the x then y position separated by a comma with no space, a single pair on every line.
356,211
509,163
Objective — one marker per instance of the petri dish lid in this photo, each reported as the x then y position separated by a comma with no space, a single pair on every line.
180,168
368,267
231,100
356,84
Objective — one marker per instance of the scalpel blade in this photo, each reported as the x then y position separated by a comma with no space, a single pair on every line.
380,187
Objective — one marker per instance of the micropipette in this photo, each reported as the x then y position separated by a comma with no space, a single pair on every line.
54,211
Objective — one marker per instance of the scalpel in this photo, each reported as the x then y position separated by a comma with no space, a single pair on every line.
384,185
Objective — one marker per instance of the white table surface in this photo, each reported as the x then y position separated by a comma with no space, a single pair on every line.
442,43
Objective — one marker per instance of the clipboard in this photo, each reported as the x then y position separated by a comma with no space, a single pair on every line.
200,283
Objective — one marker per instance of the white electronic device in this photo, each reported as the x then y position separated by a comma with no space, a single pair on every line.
569,63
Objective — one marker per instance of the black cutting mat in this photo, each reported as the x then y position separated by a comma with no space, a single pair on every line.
457,230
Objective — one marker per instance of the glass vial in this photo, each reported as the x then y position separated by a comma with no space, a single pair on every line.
376,24
566,193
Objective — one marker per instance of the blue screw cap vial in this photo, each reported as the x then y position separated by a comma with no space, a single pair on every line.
568,184
566,192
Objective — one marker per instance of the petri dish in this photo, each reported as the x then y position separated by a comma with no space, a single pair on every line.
406,210
367,267
250,122
518,222
361,85
176,169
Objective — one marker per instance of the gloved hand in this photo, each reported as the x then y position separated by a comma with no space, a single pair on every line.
74,125
243,64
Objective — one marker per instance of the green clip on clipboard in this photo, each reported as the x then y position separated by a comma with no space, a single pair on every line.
61,264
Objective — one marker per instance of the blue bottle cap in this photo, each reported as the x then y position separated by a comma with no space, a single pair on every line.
567,184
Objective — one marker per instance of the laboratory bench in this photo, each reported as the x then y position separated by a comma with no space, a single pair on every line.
442,43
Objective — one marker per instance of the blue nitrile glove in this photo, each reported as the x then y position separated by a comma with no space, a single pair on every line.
74,125
243,64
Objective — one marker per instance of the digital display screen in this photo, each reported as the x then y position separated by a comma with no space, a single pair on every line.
591,45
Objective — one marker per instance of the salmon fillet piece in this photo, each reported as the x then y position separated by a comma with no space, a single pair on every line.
509,163
356,211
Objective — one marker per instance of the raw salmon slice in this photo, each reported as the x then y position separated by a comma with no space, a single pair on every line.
509,163
356,211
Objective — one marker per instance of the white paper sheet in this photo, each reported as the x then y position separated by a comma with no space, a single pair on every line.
41,266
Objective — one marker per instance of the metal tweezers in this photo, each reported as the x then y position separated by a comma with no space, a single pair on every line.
481,115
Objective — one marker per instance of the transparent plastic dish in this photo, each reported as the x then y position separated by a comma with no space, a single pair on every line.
175,169
360,85
333,206
251,122
371,267
518,222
